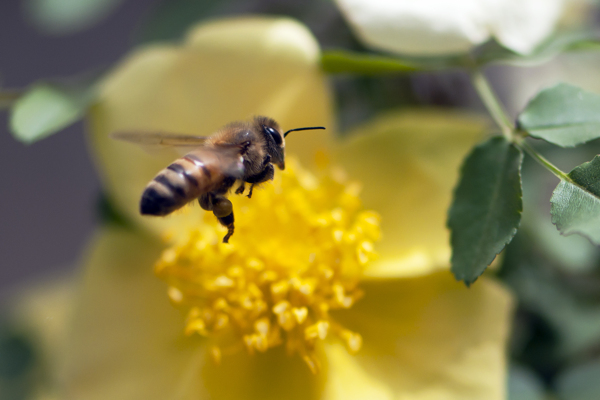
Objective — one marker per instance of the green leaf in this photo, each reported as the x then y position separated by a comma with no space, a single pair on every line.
571,254
487,205
564,115
47,108
576,203
68,16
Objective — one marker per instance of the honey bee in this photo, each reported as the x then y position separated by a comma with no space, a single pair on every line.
241,151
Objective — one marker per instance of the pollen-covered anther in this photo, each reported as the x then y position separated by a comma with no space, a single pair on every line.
223,281
284,315
297,255
279,290
220,304
300,314
215,354
340,296
262,326
221,322
286,321
352,340
175,295
196,326
317,331
312,362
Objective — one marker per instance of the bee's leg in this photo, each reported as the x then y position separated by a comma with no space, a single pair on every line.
240,190
266,174
206,201
223,210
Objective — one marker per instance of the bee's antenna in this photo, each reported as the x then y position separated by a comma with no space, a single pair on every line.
303,129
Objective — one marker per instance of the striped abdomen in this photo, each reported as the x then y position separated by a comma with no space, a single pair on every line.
181,182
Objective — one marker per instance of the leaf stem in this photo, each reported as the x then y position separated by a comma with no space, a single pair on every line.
512,134
491,102
543,161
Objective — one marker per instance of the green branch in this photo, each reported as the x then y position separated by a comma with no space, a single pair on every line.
513,135
491,102
543,161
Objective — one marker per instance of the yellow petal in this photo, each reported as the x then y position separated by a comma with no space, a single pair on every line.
273,375
408,164
426,338
126,340
226,70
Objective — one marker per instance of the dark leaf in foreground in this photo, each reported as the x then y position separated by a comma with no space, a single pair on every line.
486,209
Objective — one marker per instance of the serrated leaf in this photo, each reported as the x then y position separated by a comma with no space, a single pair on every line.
564,115
576,203
570,254
45,109
486,209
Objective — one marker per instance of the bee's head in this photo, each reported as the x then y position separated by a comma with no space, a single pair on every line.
274,139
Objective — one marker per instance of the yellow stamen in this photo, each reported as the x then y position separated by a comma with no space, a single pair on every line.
215,354
298,252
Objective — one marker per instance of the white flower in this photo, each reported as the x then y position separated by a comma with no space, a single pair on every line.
435,27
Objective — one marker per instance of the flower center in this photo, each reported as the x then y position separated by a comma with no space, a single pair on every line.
298,252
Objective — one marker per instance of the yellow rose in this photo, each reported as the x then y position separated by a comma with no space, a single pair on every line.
415,334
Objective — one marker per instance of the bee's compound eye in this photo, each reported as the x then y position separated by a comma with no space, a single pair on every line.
274,134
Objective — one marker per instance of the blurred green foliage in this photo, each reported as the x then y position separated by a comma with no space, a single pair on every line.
61,17
47,108
18,363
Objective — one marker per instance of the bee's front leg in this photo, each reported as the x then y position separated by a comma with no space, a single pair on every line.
241,188
267,174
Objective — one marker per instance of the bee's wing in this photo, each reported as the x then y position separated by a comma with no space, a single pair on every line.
159,139
226,158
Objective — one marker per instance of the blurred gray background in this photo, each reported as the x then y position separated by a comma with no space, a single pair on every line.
48,190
